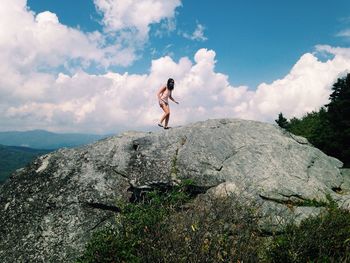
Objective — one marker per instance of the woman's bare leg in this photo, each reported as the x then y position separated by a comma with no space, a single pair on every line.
166,114
167,120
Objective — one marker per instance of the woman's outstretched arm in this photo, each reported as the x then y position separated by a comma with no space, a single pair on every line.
170,97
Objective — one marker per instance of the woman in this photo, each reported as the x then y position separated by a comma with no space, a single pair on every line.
163,95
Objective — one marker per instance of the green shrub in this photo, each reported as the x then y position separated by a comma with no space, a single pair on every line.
138,228
323,238
171,226
166,227
213,230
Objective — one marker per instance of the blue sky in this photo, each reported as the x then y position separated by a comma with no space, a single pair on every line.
255,41
96,65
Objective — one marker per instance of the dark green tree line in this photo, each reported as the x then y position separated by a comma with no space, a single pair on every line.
339,119
329,128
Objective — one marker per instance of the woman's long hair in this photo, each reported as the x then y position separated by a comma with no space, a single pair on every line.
170,84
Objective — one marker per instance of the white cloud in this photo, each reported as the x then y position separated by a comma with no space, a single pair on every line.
46,17
305,88
334,51
166,27
344,33
113,101
197,35
135,16
29,42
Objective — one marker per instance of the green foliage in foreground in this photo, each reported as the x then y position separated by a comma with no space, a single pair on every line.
171,227
12,158
324,238
166,227
138,227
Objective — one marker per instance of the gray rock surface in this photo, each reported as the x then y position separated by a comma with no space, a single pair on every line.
49,209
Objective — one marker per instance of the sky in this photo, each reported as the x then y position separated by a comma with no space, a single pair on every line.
95,66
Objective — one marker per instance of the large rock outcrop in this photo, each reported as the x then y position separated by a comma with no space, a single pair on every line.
49,209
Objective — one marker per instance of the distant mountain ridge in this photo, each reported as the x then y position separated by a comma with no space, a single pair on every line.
18,148
41,139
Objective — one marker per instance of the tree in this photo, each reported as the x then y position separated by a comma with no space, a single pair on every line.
339,119
313,126
282,121
329,128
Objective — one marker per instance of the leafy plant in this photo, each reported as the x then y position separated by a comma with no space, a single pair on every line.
138,228
323,238
170,227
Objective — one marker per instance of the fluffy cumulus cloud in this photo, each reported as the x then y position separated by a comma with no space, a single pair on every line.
32,95
306,88
134,17
113,101
29,40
